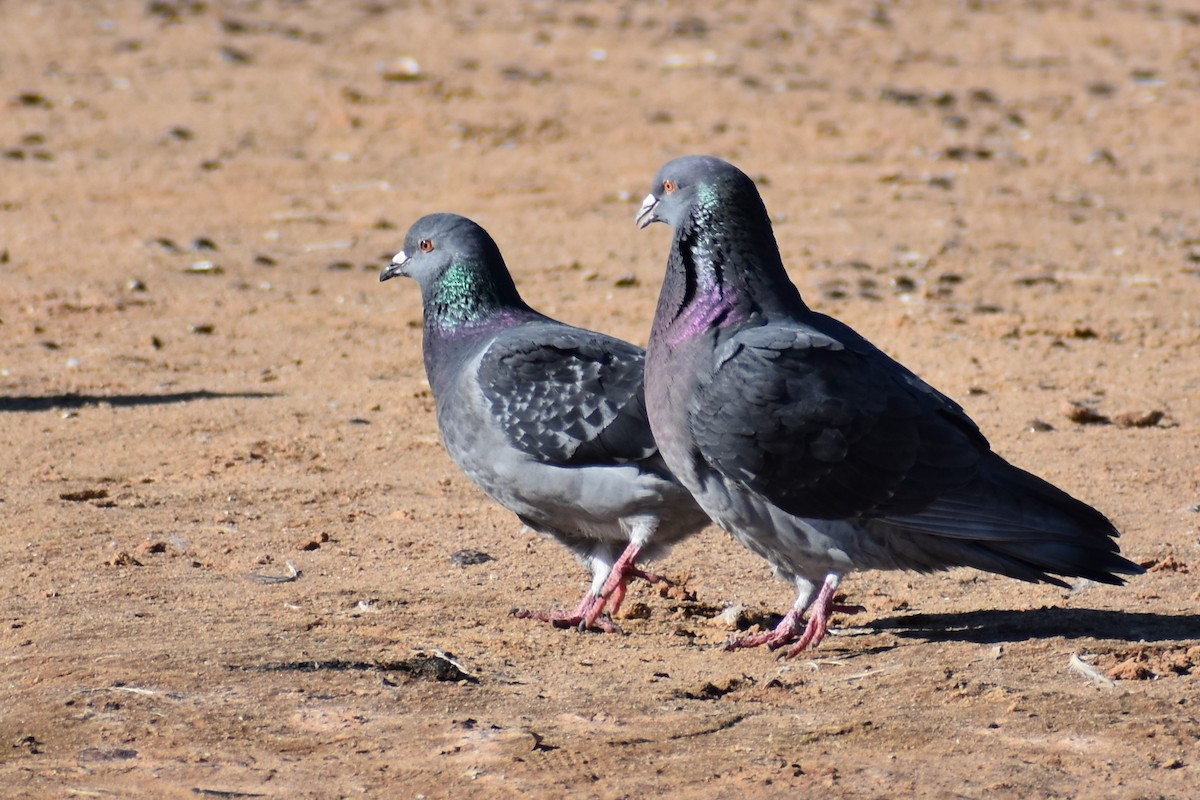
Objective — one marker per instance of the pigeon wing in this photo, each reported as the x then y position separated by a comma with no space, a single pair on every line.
825,426
568,396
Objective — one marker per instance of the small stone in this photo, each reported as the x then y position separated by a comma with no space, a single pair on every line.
235,55
470,558
401,70
1139,419
731,617
313,543
203,268
33,99
675,588
1166,564
84,495
1084,414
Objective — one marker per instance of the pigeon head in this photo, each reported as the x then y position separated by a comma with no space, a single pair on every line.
693,186
459,268
724,262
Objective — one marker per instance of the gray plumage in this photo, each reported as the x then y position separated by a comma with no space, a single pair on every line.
811,446
548,419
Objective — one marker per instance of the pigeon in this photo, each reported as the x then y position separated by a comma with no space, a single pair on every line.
812,447
547,419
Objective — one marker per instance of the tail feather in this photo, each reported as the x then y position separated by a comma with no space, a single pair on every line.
1014,523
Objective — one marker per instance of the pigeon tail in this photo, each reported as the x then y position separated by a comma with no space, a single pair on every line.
1013,523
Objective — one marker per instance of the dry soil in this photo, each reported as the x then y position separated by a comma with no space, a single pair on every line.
231,549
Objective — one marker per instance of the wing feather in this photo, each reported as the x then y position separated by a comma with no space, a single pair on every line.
825,426
568,396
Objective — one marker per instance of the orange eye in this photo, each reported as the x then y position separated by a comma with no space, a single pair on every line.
668,186
426,245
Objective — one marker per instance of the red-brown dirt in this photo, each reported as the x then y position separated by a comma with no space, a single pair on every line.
202,382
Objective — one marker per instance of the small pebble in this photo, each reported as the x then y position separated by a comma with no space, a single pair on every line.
1139,419
203,268
1084,414
400,70
313,543
469,558
165,243
235,56
33,99
123,559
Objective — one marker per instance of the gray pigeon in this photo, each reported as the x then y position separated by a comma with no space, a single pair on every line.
812,447
548,419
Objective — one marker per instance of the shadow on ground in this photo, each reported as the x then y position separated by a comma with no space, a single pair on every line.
997,626
72,400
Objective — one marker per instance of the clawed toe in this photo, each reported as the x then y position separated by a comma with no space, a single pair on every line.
580,618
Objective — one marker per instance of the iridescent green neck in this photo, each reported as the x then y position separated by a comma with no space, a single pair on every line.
466,295
705,244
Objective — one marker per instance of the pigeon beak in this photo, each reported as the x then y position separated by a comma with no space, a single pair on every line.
646,214
395,268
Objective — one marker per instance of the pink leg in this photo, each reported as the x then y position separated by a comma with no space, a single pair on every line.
788,629
613,591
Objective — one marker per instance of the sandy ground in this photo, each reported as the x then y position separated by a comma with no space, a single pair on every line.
202,383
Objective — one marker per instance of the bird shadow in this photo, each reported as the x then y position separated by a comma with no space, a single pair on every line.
993,626
73,400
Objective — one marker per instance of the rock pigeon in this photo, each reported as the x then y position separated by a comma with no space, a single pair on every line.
810,445
548,419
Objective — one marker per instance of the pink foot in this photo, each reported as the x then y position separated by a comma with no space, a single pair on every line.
612,593
572,619
788,630
781,634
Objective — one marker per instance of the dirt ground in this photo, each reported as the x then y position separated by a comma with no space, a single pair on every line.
232,547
